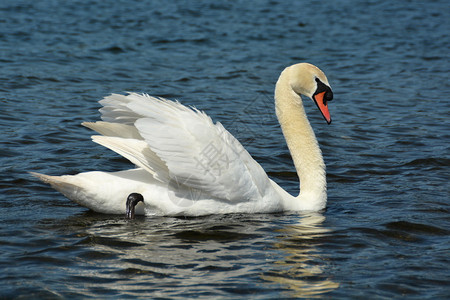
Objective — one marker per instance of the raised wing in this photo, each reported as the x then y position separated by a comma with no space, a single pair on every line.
198,153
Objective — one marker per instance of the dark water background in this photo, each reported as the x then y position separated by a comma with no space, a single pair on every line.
386,231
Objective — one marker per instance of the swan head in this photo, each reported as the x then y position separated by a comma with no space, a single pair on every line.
307,79
132,200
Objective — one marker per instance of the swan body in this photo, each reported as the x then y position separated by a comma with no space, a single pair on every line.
188,165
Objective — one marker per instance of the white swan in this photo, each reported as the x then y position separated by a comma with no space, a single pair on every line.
187,165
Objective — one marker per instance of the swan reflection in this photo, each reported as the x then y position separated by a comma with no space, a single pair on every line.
302,270
215,255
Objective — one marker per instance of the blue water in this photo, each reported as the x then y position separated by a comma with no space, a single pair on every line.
386,231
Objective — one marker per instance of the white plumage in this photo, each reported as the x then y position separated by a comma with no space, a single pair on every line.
186,164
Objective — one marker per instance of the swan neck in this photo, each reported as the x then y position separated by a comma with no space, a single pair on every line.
302,144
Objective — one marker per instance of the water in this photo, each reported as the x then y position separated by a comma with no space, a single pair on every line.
386,231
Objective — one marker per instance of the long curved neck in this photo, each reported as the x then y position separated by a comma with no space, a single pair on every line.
303,146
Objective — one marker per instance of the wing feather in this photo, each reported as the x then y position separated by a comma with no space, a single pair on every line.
114,129
138,152
195,152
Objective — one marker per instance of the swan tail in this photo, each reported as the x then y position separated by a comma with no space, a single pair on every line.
44,178
66,185
87,190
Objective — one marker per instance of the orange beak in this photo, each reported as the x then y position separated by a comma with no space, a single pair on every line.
322,105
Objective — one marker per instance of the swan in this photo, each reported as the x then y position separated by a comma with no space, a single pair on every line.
187,165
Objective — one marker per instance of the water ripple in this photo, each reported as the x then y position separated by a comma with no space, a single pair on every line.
385,231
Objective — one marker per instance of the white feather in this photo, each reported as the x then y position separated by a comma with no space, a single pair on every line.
137,152
114,129
187,165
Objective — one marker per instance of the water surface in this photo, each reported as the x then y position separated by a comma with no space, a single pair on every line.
385,233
